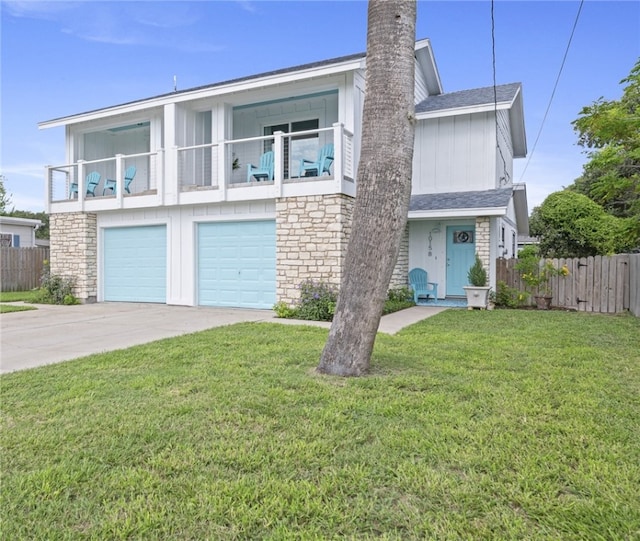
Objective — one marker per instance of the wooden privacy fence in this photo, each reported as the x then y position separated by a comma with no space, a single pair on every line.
21,268
605,284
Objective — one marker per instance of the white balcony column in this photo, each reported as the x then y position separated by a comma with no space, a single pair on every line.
338,146
159,175
224,170
47,189
81,184
119,180
278,170
171,182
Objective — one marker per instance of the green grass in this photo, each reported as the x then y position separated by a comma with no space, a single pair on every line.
6,308
14,296
472,425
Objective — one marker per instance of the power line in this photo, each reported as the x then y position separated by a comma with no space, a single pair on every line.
504,179
555,86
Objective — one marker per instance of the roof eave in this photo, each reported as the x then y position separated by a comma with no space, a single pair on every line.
427,62
457,213
518,132
521,208
208,91
467,110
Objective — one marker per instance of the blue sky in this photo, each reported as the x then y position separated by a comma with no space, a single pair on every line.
60,58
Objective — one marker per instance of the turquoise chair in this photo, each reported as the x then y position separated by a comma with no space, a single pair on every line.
264,171
110,184
419,282
92,181
321,166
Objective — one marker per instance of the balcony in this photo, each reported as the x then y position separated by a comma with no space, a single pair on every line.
206,173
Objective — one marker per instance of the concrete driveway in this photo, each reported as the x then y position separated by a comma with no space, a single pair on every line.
53,333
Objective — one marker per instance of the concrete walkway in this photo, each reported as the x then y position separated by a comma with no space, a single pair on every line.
53,333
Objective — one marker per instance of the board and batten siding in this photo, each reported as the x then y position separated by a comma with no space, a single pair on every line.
420,84
181,223
504,153
454,153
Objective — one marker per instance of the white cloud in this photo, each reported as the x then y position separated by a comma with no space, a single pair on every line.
152,24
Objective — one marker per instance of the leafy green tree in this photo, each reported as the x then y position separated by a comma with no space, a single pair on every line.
5,198
570,224
611,132
43,231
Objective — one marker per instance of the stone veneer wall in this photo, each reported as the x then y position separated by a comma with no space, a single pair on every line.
74,251
312,234
483,240
400,276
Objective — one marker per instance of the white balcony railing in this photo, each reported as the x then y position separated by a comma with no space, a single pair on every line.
212,172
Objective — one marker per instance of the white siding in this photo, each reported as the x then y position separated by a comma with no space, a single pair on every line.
504,155
455,153
181,238
420,86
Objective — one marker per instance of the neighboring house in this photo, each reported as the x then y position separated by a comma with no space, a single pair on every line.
191,227
18,232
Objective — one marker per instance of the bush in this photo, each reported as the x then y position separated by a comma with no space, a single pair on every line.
509,297
477,274
282,309
55,289
400,294
317,301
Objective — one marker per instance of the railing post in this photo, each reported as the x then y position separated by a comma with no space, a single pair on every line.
119,180
81,187
278,169
47,189
159,176
338,145
222,170
172,187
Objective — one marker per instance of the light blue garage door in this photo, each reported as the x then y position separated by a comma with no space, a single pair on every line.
135,264
237,264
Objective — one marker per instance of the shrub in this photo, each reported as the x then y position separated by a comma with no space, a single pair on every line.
55,289
400,294
509,297
317,301
477,274
282,309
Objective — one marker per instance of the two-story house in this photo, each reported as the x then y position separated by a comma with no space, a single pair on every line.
216,195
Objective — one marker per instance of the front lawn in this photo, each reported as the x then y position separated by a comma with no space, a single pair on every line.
15,296
473,425
6,308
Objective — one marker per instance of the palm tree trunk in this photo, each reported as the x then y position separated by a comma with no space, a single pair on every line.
383,184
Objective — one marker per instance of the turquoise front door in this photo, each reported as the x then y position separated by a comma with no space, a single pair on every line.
135,264
461,250
237,264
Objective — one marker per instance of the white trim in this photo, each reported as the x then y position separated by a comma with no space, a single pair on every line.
469,109
456,213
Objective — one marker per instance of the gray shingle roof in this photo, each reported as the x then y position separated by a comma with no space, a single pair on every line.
461,200
468,98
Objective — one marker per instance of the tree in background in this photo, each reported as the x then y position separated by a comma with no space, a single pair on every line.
611,130
384,187
5,198
5,203
570,224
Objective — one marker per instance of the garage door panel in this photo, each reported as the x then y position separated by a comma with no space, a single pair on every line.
236,264
135,263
